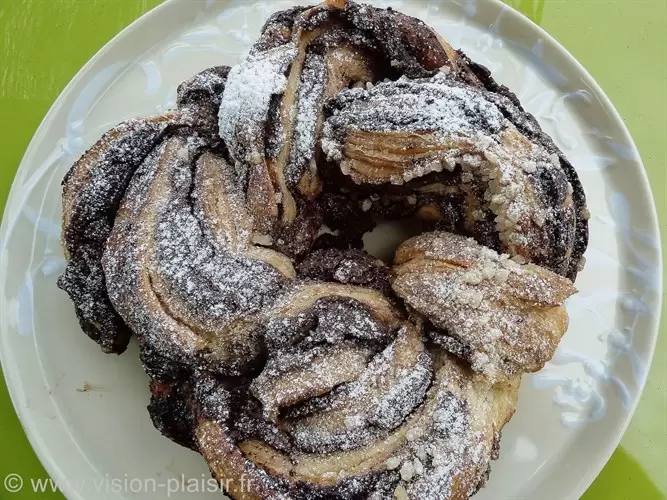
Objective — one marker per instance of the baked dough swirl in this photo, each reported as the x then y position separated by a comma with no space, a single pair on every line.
226,236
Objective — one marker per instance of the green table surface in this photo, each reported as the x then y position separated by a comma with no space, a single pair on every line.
623,44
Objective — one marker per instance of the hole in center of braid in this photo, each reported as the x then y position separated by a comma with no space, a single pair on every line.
388,235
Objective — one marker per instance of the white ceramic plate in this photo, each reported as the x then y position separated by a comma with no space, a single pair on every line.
99,442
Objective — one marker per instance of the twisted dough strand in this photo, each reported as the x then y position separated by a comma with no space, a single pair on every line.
297,364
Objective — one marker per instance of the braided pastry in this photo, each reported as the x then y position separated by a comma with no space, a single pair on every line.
226,236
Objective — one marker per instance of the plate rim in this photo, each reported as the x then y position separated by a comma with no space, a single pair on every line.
605,451
610,447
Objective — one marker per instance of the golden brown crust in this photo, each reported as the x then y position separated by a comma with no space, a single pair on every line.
282,355
441,450
508,317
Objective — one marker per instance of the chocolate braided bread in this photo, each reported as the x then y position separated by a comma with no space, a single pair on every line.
226,235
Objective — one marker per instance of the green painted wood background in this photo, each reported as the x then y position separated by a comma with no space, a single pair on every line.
623,43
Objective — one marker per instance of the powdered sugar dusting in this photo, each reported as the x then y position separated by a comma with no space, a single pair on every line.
164,255
395,132
247,97
415,106
446,455
304,140
508,316
302,368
